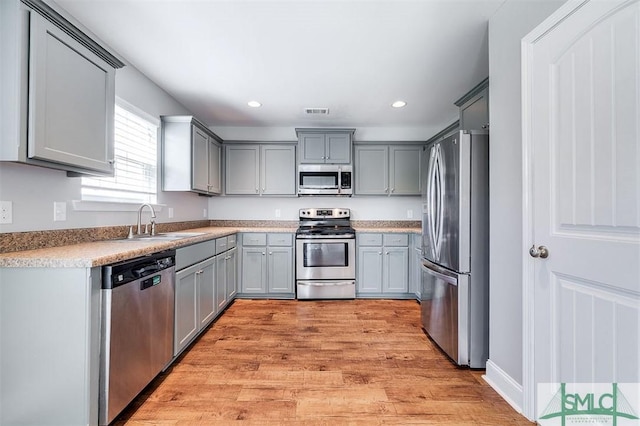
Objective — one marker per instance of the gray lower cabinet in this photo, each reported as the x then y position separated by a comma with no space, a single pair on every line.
58,92
267,265
194,303
388,169
191,159
226,268
260,169
202,288
474,108
383,265
50,347
415,262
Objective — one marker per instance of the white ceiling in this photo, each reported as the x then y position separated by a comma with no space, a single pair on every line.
353,57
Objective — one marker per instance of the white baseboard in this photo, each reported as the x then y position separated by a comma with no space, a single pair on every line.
505,385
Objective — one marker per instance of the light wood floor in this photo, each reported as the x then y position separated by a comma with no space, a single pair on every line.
357,362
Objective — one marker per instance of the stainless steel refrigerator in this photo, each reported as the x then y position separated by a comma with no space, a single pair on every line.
455,246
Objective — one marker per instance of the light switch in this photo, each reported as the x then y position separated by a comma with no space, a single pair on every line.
410,214
277,212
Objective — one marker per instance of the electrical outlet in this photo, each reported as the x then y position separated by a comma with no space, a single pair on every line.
6,212
410,214
277,212
59,211
204,213
170,212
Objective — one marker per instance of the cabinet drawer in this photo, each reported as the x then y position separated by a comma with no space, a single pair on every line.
280,239
231,241
370,239
397,240
195,253
254,239
221,245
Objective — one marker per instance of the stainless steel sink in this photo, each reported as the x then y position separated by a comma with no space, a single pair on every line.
169,236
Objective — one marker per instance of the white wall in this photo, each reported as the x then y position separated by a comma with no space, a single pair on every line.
512,21
33,190
288,134
362,208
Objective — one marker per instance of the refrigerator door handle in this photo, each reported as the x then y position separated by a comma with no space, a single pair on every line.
438,272
439,202
431,225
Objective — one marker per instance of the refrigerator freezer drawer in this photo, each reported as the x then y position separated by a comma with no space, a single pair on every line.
444,310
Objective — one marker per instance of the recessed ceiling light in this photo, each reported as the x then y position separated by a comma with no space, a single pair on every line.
398,104
254,104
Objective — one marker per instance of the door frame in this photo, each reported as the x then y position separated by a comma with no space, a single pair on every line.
528,266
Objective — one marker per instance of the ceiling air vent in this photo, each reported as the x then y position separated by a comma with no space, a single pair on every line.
317,111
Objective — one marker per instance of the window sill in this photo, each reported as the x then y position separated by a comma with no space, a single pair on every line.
107,206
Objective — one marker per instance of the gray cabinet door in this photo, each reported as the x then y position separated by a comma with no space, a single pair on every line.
338,148
474,112
186,318
371,170
278,169
254,269
280,269
71,101
199,161
319,147
369,270
312,148
232,273
405,170
215,167
221,281
206,282
396,270
242,172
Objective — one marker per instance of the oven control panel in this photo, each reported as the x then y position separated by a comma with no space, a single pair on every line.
325,213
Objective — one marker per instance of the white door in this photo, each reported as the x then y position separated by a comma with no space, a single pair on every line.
581,122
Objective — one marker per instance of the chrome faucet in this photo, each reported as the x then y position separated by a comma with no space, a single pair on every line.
153,216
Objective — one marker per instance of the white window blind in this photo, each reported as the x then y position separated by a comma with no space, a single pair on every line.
135,179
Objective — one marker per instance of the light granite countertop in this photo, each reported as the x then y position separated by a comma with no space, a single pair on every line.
99,253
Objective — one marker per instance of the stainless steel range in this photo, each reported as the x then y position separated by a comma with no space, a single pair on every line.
325,255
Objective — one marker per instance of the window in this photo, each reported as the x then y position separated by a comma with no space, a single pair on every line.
135,179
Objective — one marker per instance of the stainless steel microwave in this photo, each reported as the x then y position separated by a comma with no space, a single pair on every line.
325,179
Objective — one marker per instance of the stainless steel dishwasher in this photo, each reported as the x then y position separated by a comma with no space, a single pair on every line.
137,328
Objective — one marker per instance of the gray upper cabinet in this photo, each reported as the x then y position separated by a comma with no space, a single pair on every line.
266,169
320,146
190,156
474,108
405,170
371,170
60,108
388,169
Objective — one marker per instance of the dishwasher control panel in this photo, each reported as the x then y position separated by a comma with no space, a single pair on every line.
130,270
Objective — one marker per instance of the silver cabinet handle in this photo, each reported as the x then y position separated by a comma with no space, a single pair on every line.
380,253
264,254
542,252
257,190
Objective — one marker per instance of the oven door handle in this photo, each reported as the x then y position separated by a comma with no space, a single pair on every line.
325,283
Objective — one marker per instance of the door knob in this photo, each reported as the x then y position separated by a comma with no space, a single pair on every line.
542,252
